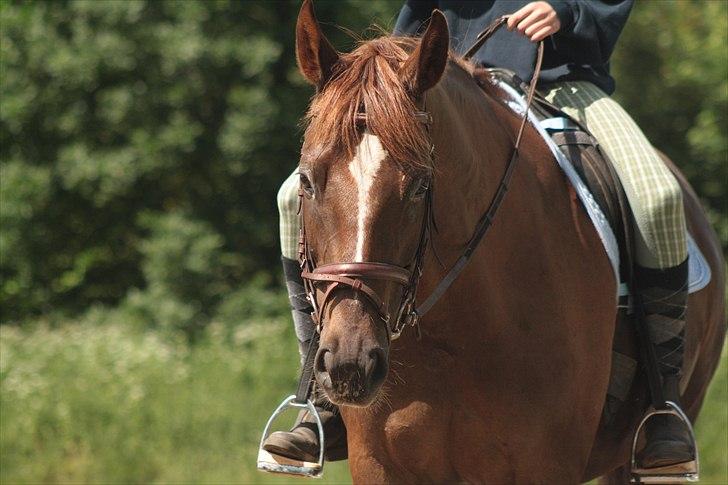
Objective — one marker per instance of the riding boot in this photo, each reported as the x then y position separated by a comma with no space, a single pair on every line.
302,441
663,295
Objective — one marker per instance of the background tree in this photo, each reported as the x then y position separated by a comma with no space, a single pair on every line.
671,66
142,142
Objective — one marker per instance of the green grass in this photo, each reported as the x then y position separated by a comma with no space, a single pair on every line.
712,428
83,403
109,404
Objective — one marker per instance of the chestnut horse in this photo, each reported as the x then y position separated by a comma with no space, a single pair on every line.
507,381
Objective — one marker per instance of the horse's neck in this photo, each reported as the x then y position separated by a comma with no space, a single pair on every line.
476,136
512,324
473,146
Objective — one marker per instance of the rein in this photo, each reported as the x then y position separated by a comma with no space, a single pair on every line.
486,219
352,275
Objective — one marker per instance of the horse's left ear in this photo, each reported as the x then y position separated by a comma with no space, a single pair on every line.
426,64
315,54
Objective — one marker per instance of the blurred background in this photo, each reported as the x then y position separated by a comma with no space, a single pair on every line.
145,334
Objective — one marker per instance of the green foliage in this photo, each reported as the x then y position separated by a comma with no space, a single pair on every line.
671,66
107,404
184,268
117,117
24,192
142,142
92,404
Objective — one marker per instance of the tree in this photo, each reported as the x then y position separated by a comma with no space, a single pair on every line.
115,114
671,67
142,142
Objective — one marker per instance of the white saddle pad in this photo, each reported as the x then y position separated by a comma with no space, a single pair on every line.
699,271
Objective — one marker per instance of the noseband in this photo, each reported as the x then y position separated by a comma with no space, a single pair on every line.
353,275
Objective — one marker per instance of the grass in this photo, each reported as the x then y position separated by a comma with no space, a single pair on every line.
109,404
712,428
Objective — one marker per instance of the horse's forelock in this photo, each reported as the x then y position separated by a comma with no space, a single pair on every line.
366,80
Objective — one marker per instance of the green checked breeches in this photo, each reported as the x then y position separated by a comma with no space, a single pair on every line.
288,210
652,190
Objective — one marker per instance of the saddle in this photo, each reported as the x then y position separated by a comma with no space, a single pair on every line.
601,180
600,190
584,153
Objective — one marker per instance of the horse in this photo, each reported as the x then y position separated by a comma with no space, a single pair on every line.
506,376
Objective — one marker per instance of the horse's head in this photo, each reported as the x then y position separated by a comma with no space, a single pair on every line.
366,167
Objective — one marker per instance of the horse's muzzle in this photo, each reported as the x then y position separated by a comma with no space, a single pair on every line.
352,379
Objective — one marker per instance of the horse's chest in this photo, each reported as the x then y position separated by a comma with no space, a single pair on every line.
417,437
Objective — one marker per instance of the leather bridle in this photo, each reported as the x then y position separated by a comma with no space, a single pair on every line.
354,274
328,278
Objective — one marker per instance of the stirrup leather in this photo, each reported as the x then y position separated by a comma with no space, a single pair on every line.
269,462
688,471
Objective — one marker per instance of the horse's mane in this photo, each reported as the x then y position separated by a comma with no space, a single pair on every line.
366,80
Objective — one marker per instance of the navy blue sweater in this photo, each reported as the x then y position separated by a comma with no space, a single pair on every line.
578,52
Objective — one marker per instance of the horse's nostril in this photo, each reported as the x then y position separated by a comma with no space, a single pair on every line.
324,360
377,366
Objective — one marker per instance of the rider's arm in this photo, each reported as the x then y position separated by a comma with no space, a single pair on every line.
594,25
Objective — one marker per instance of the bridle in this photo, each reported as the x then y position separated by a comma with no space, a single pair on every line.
354,274
328,278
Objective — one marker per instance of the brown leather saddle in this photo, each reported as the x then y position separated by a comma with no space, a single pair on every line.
598,174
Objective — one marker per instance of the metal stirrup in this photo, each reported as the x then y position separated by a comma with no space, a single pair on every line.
269,462
688,471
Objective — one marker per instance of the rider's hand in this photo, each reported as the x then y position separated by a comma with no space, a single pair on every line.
537,20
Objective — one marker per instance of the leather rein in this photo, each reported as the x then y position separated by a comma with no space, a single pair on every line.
328,278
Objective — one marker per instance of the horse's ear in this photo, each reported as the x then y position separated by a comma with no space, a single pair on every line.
315,55
426,64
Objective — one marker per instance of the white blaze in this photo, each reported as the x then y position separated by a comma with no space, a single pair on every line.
364,167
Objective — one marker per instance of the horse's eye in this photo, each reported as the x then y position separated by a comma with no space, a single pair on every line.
306,186
420,188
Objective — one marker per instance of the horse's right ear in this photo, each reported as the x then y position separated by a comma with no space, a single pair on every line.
424,67
315,55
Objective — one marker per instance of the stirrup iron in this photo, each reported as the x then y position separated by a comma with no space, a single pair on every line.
680,472
268,462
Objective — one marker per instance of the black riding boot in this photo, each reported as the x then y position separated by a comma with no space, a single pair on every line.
664,299
302,442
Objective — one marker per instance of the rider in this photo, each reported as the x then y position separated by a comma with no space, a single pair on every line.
575,77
